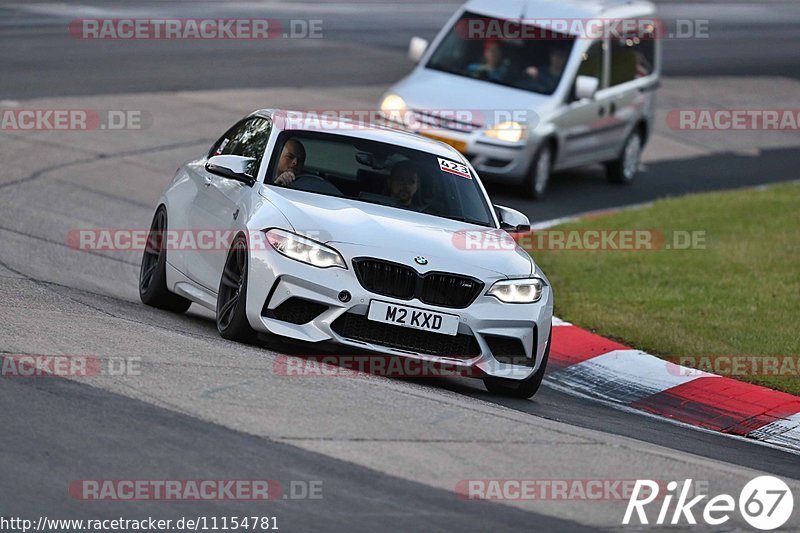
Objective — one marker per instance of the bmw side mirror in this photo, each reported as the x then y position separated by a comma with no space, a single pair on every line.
512,220
416,48
586,87
233,167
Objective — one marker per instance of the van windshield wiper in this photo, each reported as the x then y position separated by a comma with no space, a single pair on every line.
449,70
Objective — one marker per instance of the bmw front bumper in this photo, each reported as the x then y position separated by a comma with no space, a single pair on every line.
274,279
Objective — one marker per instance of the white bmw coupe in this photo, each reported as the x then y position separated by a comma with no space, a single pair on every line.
362,236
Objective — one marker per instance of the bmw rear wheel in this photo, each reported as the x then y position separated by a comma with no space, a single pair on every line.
153,271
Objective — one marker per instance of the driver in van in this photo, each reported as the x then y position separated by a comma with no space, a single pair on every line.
494,66
290,163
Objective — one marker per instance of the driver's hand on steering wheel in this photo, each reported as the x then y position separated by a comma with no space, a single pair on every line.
285,179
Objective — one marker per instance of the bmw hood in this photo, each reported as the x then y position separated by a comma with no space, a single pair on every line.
361,229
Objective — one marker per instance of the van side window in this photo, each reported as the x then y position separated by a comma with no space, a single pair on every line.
592,64
631,58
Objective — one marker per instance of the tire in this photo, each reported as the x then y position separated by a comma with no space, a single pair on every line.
231,316
623,170
540,172
525,388
153,271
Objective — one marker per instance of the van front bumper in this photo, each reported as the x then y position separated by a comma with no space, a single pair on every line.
498,161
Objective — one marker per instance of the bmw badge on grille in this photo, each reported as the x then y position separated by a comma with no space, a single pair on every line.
420,260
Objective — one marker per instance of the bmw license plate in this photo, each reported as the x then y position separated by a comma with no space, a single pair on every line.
412,317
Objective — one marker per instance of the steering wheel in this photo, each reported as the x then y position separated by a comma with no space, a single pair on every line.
314,183
308,178
428,209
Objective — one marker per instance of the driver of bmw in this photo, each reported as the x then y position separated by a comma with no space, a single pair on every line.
290,163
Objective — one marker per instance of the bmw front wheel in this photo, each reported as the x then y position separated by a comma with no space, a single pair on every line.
525,388
232,321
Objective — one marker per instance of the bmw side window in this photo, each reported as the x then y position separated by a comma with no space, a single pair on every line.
631,58
248,139
222,142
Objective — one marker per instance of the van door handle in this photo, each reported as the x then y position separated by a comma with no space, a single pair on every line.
613,108
207,180
601,111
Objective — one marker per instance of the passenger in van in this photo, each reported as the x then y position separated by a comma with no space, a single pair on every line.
546,79
494,66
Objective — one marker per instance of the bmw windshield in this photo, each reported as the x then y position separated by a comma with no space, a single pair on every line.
378,173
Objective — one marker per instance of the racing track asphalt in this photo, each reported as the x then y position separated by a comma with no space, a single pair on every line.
91,432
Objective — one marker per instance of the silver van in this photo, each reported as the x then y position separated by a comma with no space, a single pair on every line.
525,88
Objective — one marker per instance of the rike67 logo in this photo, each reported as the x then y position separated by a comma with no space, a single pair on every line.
765,503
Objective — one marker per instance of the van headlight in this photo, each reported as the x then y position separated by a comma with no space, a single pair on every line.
392,103
303,249
518,291
510,132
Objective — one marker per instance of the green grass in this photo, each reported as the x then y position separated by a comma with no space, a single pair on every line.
738,296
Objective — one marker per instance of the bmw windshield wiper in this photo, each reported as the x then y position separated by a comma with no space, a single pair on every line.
468,220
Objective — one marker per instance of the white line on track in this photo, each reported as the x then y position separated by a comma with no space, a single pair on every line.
630,410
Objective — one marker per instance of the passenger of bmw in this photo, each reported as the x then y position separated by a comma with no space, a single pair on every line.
290,163
403,182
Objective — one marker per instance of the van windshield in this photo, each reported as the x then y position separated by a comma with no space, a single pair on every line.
504,52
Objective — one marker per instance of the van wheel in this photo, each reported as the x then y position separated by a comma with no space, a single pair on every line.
623,169
539,173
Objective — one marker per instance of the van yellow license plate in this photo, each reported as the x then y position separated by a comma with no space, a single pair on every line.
461,146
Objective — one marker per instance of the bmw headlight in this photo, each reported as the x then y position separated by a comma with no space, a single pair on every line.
510,132
518,291
303,249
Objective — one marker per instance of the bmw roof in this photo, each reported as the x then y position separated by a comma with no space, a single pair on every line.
316,121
